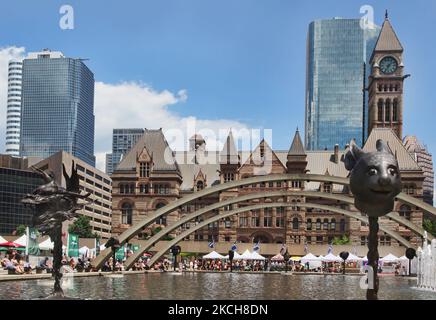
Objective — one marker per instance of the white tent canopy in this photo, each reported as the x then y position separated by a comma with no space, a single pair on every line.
257,256
403,258
352,257
236,256
46,245
84,250
22,241
213,255
309,257
389,258
331,258
246,255
2,240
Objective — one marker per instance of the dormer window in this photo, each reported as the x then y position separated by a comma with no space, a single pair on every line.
144,169
200,185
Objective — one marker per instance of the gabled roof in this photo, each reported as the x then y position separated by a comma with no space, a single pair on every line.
229,154
388,40
269,155
157,146
297,148
405,160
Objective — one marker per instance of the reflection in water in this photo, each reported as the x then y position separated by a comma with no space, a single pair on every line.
212,286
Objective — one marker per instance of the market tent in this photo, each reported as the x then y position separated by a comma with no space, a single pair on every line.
277,257
236,256
22,241
403,258
102,247
46,245
256,256
331,258
84,250
314,261
352,257
11,244
389,258
213,255
246,255
295,258
2,239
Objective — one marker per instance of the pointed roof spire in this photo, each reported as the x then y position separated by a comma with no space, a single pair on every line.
229,154
388,40
297,147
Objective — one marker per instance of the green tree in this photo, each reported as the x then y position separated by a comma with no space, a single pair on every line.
82,228
21,229
342,241
429,226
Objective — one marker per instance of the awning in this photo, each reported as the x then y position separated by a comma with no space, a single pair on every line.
213,255
46,245
389,258
331,258
277,257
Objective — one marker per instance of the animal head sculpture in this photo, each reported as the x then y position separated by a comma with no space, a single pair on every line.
375,178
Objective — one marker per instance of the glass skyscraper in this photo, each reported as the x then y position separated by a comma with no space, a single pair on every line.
57,107
338,52
122,141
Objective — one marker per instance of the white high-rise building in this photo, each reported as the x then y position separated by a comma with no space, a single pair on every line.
13,117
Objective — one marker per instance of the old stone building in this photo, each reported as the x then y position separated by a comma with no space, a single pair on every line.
150,176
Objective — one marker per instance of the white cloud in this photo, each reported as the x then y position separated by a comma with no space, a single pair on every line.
134,105
6,54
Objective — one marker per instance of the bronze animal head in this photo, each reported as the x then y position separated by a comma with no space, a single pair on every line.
375,178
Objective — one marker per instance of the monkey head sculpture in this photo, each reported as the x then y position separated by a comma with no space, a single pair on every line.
375,178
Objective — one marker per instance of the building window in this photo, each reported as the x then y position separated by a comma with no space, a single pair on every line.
228,223
405,211
161,189
295,224
327,187
143,188
342,225
162,219
388,110
326,224
126,213
227,239
319,240
309,224
380,110
395,110
243,220
318,224
255,219
296,184
333,225
200,185
363,241
229,177
144,169
280,217
267,218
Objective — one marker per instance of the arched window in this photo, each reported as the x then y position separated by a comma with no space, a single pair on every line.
309,224
326,224
333,224
162,219
126,213
388,110
395,110
295,224
380,110
200,185
342,225
405,211
318,224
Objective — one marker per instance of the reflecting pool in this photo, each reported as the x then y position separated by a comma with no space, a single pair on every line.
196,286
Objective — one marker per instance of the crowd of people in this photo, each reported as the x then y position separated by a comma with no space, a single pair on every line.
15,263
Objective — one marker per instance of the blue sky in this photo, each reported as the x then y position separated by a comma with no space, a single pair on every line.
242,60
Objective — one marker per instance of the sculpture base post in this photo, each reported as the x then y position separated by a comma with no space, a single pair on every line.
57,259
373,256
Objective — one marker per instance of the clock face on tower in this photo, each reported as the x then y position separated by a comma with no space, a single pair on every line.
388,65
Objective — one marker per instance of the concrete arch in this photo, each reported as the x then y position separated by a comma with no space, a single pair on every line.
346,199
137,228
131,260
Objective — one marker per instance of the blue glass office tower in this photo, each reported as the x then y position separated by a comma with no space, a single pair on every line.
57,107
338,52
122,141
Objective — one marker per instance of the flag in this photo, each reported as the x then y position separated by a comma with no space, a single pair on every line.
234,247
119,254
330,249
32,244
283,249
305,247
256,247
212,244
73,245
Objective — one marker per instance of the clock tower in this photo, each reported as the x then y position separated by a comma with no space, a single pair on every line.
385,106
